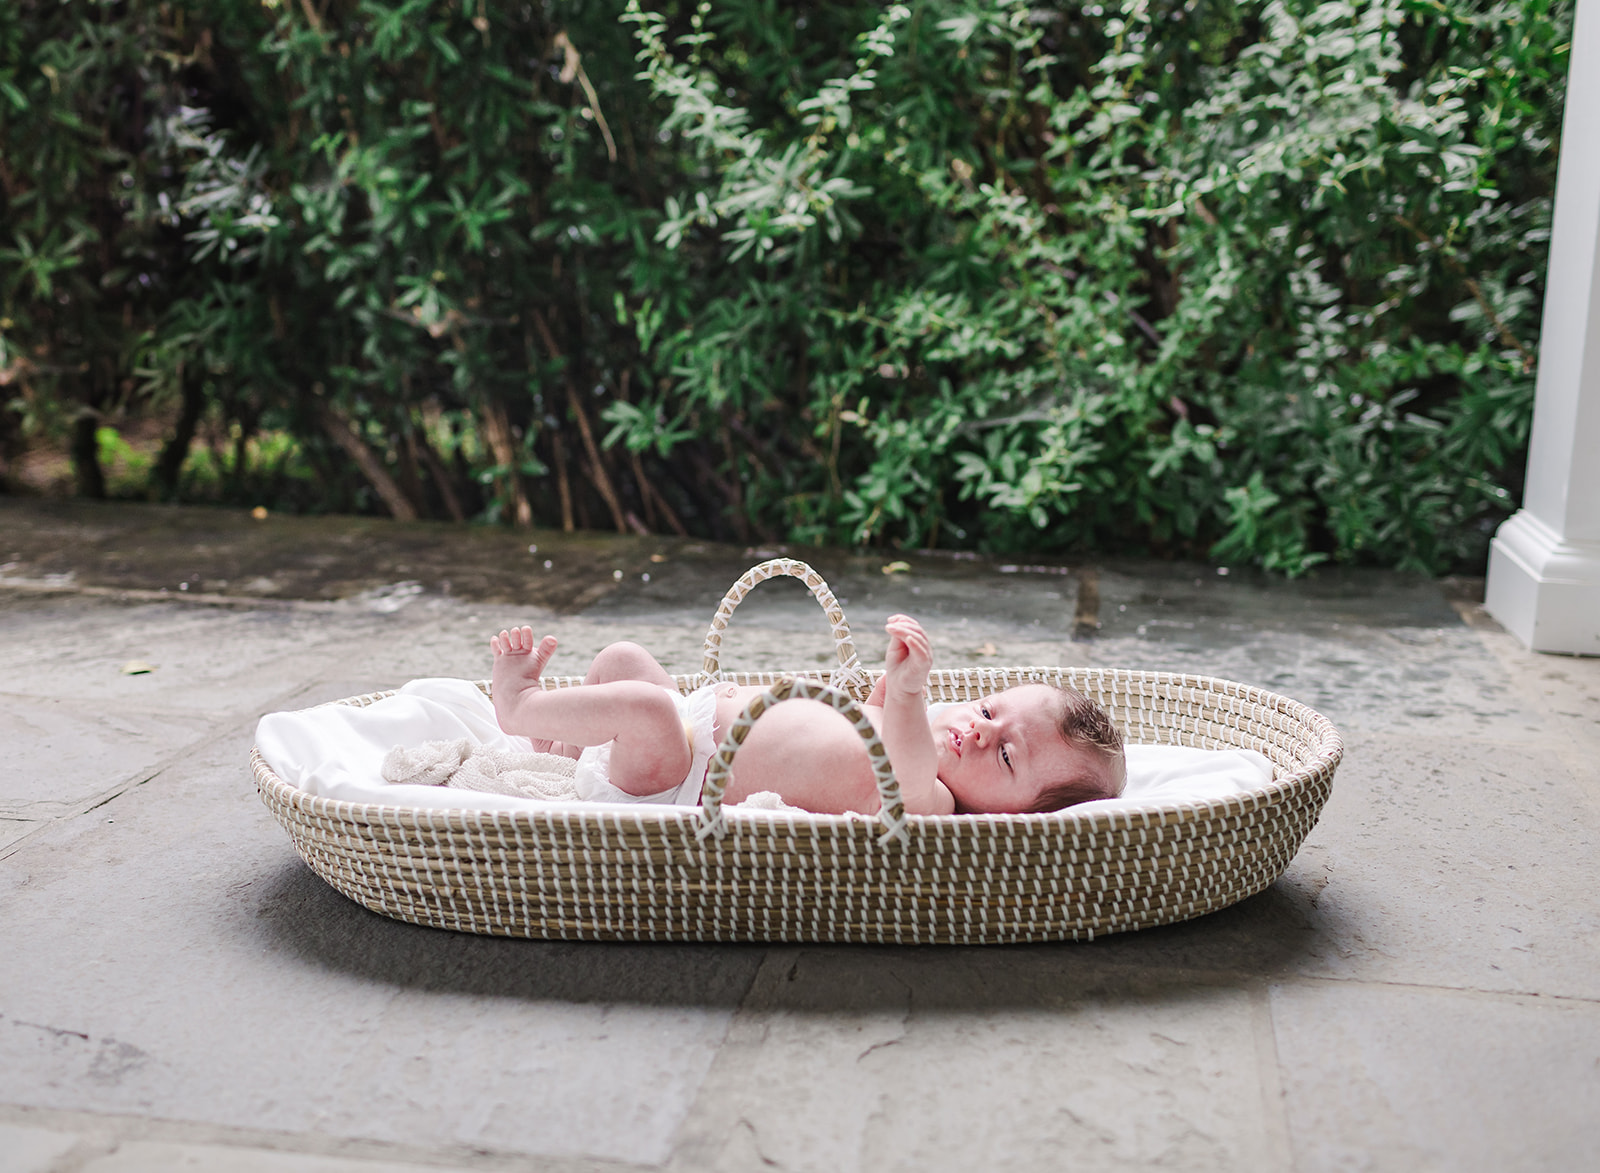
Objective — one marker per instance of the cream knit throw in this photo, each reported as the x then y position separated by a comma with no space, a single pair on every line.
462,765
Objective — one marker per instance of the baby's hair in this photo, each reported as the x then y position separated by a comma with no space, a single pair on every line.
1085,723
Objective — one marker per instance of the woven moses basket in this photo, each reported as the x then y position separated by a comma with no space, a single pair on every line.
644,872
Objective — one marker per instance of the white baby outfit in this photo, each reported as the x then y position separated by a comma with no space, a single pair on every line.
698,712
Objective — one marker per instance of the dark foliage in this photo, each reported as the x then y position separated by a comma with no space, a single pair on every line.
1258,282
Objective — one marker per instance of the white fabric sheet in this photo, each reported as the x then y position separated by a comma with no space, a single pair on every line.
337,751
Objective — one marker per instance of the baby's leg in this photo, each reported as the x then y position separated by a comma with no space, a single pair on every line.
637,766
650,751
627,661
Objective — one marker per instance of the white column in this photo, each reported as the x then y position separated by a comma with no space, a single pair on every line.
1544,563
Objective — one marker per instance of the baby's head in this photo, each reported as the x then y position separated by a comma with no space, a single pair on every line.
1027,749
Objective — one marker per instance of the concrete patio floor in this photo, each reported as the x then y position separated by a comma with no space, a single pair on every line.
1420,990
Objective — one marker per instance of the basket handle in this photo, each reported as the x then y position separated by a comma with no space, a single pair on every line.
848,675
892,812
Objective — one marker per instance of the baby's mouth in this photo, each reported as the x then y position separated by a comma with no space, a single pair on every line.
955,741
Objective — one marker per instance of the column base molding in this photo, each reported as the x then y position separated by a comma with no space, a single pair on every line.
1544,590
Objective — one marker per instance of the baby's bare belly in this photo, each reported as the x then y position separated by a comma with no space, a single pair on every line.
802,750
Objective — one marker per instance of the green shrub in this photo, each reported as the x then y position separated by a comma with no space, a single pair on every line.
1258,282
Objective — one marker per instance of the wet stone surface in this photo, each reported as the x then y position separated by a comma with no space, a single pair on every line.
1418,990
227,554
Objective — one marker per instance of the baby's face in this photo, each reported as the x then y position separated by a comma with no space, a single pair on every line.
997,755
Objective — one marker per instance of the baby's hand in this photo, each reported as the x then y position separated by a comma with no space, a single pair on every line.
910,656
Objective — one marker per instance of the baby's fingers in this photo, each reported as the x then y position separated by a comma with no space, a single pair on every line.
906,628
517,641
902,624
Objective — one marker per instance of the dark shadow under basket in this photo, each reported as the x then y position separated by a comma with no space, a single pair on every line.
643,872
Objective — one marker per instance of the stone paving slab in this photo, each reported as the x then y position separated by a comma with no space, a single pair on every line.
1456,865
297,1011
32,1150
1417,990
866,1060
1437,1080
64,757
12,830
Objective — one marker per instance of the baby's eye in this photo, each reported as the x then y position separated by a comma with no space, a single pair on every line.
984,709
1006,758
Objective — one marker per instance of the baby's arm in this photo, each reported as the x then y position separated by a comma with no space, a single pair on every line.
905,719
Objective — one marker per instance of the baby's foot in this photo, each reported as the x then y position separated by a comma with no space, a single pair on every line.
518,664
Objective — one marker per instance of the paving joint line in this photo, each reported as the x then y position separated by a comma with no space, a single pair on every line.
1431,987
102,1133
36,586
1269,1072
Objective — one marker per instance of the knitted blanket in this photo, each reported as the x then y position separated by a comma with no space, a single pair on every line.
463,765
489,769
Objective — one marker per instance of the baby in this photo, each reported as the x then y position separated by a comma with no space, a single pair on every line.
1031,748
